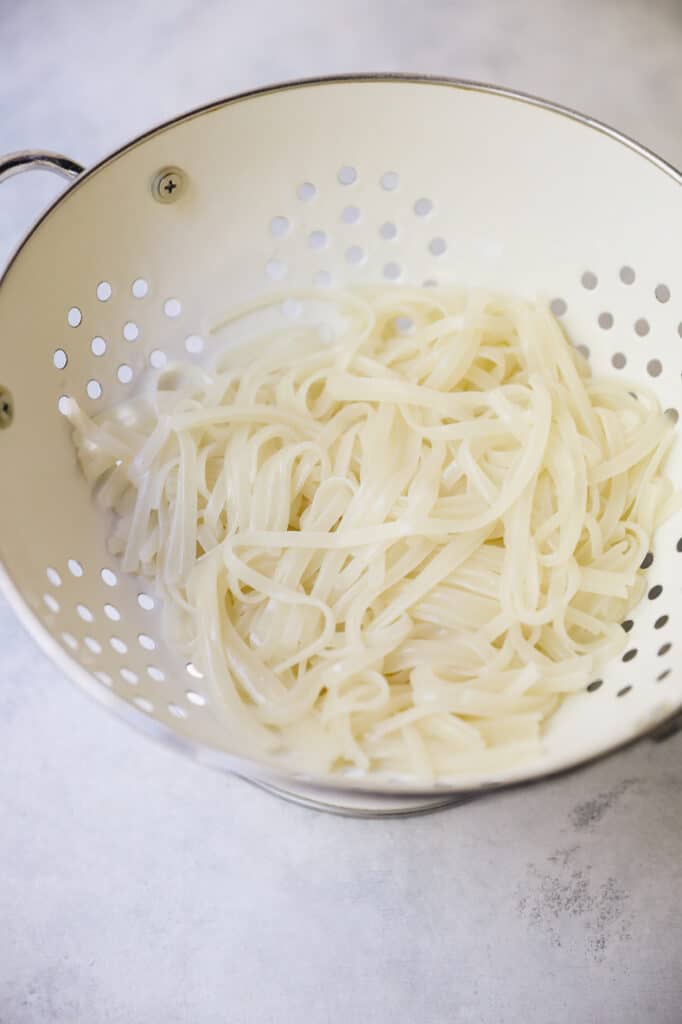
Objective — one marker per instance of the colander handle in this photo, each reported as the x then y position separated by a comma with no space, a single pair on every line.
38,160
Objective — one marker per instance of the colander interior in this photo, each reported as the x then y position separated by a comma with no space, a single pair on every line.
304,189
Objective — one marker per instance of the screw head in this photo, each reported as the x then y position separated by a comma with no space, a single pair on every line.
168,185
6,408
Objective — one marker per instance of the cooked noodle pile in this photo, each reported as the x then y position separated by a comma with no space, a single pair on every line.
396,552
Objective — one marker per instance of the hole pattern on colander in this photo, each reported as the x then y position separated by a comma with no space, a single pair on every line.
355,255
350,214
140,323
388,230
140,288
279,226
128,643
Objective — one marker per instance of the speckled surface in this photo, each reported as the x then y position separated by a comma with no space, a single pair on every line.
135,886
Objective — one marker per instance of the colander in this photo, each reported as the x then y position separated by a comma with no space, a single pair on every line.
302,186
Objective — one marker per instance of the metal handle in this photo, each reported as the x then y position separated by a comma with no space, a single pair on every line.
37,160
17,163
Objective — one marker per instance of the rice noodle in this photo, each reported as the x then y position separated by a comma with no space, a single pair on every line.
393,554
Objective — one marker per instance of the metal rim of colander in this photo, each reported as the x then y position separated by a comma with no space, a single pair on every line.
316,792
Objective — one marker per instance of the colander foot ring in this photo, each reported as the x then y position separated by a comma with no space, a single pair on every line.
359,804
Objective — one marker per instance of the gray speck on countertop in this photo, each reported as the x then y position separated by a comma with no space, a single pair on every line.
586,816
565,892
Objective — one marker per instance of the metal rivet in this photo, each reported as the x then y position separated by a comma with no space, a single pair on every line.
6,408
168,185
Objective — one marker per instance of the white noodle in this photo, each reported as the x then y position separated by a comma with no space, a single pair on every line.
394,554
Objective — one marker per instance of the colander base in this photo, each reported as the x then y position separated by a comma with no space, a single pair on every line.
358,804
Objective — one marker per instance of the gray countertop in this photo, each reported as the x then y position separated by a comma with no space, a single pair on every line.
136,886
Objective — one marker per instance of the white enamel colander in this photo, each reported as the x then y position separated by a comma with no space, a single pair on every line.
344,181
